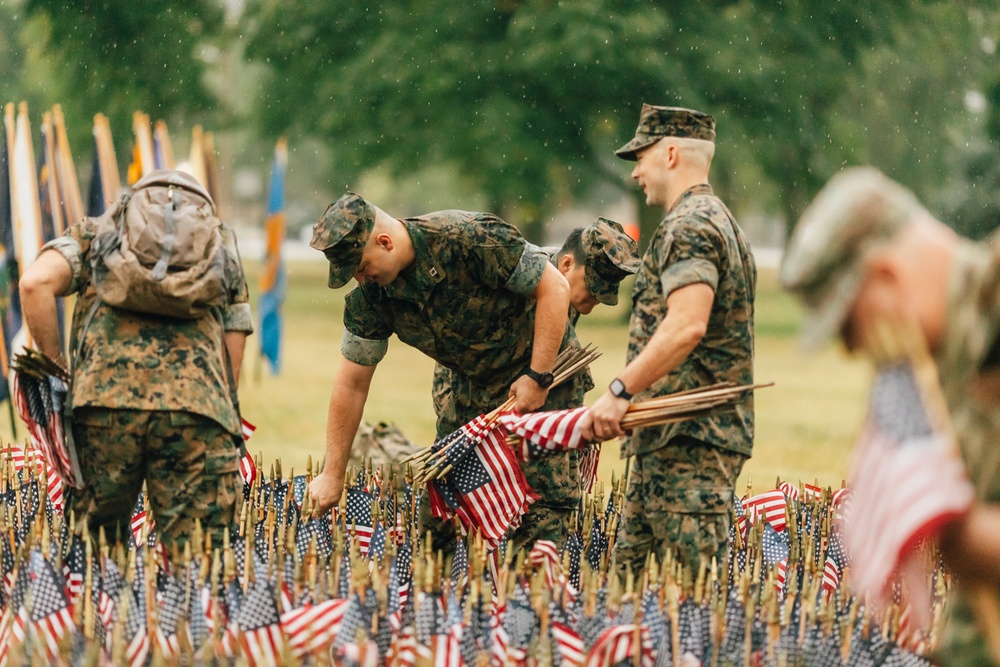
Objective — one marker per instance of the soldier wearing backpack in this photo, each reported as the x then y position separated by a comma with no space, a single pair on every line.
158,332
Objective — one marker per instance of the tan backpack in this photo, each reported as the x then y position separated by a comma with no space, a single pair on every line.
160,249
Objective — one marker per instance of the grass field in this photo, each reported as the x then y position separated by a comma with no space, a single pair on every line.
806,423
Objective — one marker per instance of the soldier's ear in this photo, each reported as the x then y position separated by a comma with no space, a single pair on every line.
566,263
384,241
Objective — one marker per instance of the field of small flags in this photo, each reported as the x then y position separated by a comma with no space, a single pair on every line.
358,586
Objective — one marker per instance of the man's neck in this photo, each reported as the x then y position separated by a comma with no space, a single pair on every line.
681,185
404,244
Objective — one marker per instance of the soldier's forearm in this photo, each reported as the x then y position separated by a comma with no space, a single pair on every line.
678,334
347,405
550,319
43,281
235,344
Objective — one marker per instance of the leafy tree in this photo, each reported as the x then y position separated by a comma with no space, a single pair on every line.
117,57
529,98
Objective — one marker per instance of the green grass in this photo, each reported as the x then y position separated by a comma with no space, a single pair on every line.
806,423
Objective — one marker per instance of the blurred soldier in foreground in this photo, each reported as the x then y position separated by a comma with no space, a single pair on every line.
866,251
692,326
465,289
153,393
594,260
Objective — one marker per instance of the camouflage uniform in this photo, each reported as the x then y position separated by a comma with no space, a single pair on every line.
857,212
465,302
441,387
610,256
152,402
680,488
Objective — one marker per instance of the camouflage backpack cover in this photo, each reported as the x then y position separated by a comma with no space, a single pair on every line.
160,249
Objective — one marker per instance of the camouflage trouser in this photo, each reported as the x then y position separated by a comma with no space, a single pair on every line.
555,478
189,462
679,498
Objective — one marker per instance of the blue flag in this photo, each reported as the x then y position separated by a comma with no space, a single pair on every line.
273,282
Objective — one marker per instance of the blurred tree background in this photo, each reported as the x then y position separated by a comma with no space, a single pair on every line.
516,105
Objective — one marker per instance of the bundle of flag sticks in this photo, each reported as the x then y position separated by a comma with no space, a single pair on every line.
358,587
684,404
439,459
40,387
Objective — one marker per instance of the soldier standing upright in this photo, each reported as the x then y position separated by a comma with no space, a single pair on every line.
692,326
153,395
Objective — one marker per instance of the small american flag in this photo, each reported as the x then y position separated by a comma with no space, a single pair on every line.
359,516
50,611
774,545
545,555
248,469
792,491
781,575
485,488
74,568
261,626
908,479
619,643
136,636
170,611
311,627
831,576
770,506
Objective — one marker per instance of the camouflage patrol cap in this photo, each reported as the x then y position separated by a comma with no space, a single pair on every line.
341,234
658,122
857,212
611,255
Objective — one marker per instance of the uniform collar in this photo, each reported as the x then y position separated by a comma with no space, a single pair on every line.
417,281
700,189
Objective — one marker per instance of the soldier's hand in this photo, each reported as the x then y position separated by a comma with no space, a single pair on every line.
528,395
325,491
603,420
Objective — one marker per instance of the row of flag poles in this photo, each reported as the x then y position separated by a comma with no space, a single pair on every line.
40,198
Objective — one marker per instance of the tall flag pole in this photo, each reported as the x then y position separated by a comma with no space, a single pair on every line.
105,181
163,152
196,158
211,169
49,190
27,213
65,171
273,282
10,303
142,156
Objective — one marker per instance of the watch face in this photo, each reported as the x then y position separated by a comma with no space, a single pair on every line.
617,387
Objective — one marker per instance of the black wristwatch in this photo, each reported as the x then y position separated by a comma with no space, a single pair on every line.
617,388
544,380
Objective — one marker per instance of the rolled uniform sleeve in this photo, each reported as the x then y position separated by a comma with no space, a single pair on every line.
69,248
693,256
74,246
529,271
367,328
500,257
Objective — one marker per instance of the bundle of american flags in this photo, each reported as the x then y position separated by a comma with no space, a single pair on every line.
40,388
358,586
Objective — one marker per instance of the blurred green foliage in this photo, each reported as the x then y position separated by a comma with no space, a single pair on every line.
523,101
